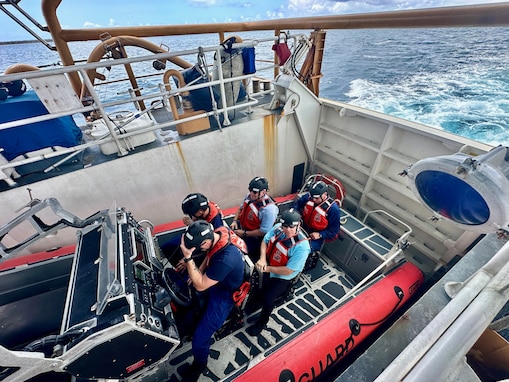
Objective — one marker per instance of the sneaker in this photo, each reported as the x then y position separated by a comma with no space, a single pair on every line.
255,329
312,260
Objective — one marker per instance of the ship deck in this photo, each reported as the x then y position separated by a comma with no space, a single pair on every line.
93,155
316,294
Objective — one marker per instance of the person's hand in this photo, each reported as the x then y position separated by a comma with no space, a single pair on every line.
261,266
187,252
187,220
234,225
181,266
315,235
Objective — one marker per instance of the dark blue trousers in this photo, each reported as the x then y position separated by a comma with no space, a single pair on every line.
219,305
272,288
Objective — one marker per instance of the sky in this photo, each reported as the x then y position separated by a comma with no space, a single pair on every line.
99,13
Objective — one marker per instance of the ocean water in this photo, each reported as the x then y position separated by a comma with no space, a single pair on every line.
453,79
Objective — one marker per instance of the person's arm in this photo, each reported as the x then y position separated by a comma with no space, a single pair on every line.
299,202
235,223
262,262
200,281
268,216
187,220
332,229
278,270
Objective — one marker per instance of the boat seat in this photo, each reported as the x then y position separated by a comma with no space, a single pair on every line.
30,137
241,295
188,127
8,174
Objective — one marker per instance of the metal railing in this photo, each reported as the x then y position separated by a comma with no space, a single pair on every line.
157,96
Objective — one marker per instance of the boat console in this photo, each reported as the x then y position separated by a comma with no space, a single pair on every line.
127,325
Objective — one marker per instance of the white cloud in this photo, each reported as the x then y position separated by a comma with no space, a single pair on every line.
275,15
201,3
323,7
89,24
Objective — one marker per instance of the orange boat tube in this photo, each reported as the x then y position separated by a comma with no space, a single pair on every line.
320,347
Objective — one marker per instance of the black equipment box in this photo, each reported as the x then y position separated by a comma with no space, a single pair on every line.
118,323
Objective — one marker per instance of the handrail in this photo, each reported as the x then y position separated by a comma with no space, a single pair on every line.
478,15
82,69
453,331
404,236
459,16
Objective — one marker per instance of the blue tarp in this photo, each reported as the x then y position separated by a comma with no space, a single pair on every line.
23,139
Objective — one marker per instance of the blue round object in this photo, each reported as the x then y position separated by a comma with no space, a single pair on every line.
16,88
452,198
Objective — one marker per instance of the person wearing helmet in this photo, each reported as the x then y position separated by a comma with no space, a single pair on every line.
320,217
255,216
221,274
196,206
320,214
283,253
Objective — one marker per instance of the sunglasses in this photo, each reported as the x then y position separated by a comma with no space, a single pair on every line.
289,225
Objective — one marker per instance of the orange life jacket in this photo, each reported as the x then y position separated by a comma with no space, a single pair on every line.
315,216
249,216
214,211
226,236
277,249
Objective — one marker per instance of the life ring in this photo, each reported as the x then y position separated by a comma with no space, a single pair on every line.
19,68
98,52
17,87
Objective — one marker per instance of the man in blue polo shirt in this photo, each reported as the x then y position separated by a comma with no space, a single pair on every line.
283,253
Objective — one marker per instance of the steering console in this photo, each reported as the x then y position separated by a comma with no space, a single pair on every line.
177,287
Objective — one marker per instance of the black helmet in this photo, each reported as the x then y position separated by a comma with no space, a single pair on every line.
290,218
197,233
318,188
258,184
192,203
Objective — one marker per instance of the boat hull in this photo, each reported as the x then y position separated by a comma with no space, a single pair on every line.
339,333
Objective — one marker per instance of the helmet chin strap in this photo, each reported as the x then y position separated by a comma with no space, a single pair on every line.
261,194
317,201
